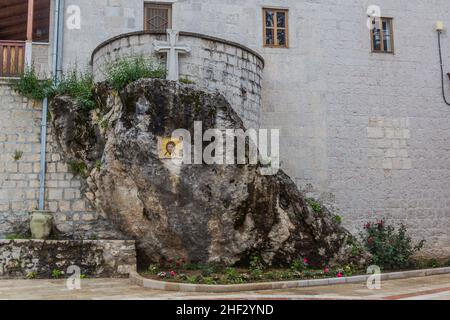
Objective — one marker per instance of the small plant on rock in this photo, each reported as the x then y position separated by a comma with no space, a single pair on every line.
186,80
391,248
17,237
77,168
31,275
98,165
316,206
56,274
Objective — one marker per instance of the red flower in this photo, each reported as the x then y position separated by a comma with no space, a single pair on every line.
380,224
178,263
339,275
367,226
370,240
305,261
173,273
326,270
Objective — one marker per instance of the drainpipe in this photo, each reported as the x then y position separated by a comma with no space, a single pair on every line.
56,67
29,41
43,145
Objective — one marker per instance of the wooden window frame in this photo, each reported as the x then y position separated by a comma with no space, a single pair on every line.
382,49
275,28
159,5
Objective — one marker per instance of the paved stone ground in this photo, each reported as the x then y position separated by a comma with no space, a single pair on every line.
427,288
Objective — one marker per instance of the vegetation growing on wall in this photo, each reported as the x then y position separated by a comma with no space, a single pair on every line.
30,86
75,84
17,155
78,85
123,71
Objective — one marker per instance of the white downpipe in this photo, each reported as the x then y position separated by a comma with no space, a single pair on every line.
28,55
58,17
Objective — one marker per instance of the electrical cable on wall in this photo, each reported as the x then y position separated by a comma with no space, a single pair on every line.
442,68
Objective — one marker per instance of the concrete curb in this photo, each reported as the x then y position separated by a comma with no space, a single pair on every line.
137,279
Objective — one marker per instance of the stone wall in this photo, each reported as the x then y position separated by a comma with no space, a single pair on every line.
20,129
23,258
19,159
213,64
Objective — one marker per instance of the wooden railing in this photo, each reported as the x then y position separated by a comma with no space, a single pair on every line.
12,58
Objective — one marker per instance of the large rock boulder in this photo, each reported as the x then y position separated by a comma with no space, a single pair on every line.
204,213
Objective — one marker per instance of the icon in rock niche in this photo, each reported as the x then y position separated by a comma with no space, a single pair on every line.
170,148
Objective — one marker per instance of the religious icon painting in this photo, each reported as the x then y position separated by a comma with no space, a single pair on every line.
170,148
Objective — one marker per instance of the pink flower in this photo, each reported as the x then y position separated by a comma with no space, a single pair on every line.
305,261
326,270
339,275
173,273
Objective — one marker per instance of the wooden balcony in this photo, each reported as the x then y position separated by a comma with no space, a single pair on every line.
12,58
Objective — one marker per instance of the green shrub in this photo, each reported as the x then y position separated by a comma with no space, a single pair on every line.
77,168
56,274
30,86
186,80
123,71
391,249
256,267
357,247
233,276
283,275
98,165
153,269
317,208
79,86
31,275
300,265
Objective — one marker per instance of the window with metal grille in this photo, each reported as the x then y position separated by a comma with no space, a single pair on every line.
382,35
158,17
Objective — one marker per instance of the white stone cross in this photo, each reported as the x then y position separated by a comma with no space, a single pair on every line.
173,48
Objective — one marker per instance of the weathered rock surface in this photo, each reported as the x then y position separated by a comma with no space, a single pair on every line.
38,258
205,213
